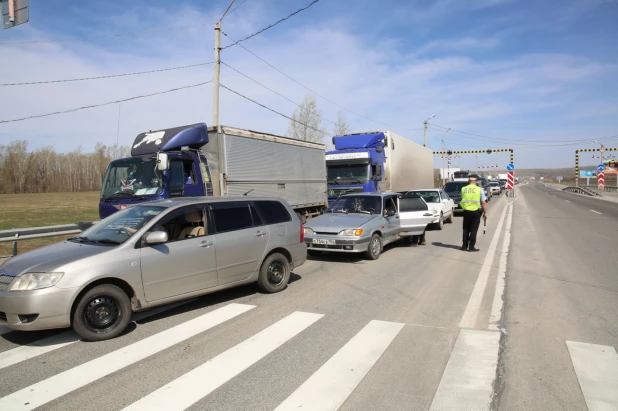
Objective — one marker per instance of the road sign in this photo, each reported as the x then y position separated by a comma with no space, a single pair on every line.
602,149
14,12
559,178
601,167
510,180
601,180
510,167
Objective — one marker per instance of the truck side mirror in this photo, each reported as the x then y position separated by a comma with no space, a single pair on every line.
162,161
377,172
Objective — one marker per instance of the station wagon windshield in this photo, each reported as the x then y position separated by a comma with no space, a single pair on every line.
131,177
357,204
120,226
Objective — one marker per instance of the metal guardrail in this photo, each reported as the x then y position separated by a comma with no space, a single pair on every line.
19,234
607,188
581,190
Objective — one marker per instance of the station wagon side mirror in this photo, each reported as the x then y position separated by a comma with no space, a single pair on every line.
162,161
391,213
156,237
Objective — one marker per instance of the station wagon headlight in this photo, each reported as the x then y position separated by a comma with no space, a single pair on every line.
35,281
356,232
308,231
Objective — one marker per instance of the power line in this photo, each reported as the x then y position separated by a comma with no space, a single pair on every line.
313,91
279,94
274,111
226,10
236,8
272,25
130,33
105,104
102,77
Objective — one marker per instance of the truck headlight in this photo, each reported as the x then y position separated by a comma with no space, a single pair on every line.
356,232
308,231
35,281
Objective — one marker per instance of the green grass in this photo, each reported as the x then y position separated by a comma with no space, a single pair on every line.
42,209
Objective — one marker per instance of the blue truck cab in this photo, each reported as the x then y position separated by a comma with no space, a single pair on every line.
356,164
163,164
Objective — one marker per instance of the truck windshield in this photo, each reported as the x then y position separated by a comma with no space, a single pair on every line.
348,174
356,204
120,226
130,177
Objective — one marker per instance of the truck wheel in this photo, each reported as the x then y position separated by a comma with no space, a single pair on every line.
102,313
274,274
450,218
375,247
440,224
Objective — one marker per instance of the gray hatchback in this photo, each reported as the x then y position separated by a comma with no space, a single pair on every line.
148,255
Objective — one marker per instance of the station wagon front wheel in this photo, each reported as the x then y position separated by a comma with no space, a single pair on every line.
102,313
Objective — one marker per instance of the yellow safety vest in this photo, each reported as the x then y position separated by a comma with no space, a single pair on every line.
470,198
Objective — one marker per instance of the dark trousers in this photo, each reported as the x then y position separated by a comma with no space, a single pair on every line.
471,223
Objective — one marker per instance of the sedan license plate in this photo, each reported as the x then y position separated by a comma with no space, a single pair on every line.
323,241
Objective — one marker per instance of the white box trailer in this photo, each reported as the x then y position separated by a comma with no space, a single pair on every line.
245,161
408,165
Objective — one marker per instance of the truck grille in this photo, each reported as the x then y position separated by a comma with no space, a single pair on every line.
5,281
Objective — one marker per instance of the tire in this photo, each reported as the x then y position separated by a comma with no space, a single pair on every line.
440,224
374,249
104,300
450,218
274,274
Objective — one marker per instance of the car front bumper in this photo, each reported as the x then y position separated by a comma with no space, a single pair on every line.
341,245
37,309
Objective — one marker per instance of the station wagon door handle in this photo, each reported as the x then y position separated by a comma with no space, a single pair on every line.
260,234
427,215
206,244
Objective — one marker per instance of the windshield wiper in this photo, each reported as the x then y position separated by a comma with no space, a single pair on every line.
81,239
333,182
118,194
339,211
105,241
354,180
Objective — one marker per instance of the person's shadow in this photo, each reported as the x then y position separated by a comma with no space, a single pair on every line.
454,247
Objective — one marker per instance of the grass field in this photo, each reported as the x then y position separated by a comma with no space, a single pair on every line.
41,209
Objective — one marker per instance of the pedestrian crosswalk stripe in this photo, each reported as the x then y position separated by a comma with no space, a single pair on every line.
201,381
467,382
596,367
329,386
60,384
40,347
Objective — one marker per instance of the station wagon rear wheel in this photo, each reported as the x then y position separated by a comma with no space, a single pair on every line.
274,273
102,313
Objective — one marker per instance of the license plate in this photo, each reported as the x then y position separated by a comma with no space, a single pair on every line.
323,241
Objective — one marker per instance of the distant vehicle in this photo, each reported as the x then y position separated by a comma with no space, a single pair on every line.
484,184
461,175
148,255
453,189
195,160
495,187
377,162
365,223
438,200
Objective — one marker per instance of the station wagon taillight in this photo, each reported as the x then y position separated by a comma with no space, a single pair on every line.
302,232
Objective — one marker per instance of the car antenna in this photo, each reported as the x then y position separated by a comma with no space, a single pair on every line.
249,191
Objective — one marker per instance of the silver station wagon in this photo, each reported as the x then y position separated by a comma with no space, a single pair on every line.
358,223
148,255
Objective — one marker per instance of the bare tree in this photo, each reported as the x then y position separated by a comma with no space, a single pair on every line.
342,127
306,122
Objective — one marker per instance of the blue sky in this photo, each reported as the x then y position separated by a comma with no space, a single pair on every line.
515,72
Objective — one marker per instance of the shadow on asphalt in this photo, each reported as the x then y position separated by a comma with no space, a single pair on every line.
454,247
352,258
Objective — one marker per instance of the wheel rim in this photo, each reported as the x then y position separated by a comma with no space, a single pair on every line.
375,246
102,314
276,273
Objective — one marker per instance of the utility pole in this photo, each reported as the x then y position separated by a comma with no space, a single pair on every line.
216,78
425,131
442,170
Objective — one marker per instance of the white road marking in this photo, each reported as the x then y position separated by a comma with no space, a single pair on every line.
467,382
474,303
567,201
329,386
60,384
596,367
596,212
186,390
496,307
40,347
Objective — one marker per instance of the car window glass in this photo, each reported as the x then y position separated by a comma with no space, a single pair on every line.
231,216
412,203
273,212
389,205
189,174
183,223
176,177
255,216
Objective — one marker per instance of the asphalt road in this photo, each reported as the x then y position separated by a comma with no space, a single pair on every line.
418,329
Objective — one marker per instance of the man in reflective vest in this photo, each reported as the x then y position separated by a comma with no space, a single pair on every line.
472,198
